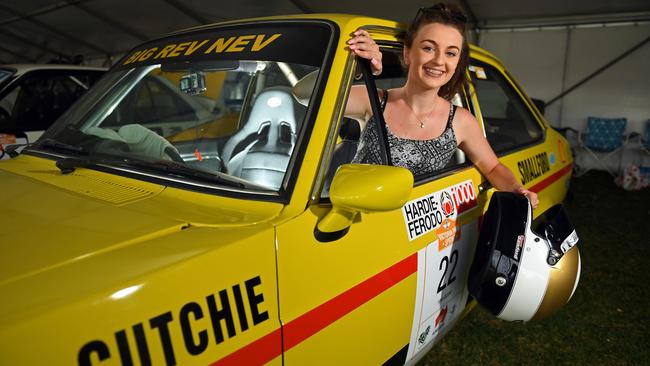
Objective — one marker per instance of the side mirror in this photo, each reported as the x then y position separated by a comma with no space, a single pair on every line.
362,188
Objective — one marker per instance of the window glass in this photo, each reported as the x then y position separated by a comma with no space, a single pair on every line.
212,108
393,76
38,98
508,122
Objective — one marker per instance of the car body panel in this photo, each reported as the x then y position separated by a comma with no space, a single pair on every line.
103,266
81,259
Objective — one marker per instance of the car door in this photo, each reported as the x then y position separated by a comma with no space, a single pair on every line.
539,158
392,285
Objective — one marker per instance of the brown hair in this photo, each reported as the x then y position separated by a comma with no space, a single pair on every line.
451,15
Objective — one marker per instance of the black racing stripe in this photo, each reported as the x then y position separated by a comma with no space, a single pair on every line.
399,358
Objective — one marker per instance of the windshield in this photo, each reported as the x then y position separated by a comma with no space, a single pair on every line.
221,104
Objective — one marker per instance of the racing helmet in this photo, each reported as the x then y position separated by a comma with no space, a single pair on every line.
521,274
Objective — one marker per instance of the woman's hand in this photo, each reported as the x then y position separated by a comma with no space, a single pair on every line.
532,196
362,45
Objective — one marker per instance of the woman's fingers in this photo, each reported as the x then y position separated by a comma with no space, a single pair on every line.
532,196
533,199
362,45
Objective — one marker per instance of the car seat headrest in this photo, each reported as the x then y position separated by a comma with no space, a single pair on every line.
304,87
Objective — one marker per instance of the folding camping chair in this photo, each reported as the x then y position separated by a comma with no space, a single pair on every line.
603,140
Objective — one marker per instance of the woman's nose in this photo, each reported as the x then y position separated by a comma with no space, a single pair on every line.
437,58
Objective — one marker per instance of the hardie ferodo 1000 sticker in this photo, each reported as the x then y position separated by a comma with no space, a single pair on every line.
438,210
443,264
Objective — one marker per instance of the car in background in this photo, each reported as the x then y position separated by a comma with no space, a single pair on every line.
33,96
198,207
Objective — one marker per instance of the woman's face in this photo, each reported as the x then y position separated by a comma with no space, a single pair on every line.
434,55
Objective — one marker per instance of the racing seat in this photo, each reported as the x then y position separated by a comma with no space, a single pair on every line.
261,150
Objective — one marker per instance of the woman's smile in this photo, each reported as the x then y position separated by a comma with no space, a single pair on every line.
434,72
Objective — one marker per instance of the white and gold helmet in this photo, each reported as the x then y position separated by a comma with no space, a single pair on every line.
521,274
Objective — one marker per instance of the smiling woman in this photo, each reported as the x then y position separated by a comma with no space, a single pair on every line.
422,126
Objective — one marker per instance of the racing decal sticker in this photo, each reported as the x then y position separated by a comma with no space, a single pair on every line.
562,151
254,41
6,139
533,167
464,196
249,43
446,233
569,242
156,331
551,158
438,211
520,243
441,292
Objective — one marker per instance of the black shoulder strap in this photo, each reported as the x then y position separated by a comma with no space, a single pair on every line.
378,114
452,112
381,123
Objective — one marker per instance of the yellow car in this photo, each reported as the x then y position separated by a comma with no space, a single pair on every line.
196,207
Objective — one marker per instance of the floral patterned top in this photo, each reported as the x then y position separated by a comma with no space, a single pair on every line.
419,156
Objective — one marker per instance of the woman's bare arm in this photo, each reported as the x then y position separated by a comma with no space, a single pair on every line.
475,145
358,106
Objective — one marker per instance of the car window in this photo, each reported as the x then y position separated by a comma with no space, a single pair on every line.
38,98
508,122
153,103
218,104
393,76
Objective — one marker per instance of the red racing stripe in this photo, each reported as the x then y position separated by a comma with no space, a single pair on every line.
551,179
257,352
327,313
268,347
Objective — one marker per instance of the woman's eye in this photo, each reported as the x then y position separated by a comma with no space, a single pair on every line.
451,54
428,49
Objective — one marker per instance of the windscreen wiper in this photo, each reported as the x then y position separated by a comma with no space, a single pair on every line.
56,145
68,165
182,170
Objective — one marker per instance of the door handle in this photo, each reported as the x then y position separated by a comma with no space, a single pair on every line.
484,187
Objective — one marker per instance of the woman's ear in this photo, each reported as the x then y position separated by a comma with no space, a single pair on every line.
405,54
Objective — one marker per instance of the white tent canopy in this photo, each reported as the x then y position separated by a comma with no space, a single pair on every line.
42,31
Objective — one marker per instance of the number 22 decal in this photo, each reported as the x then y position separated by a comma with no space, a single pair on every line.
452,261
